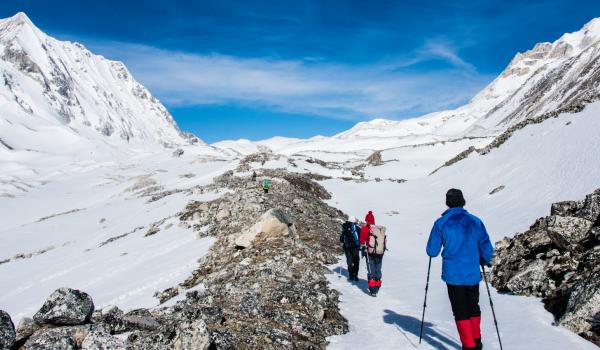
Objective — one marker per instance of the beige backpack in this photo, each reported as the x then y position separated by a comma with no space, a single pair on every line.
377,240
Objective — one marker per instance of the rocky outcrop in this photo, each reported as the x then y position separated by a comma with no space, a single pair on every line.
261,286
557,260
65,307
7,331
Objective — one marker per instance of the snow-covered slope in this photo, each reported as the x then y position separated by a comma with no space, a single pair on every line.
548,77
57,97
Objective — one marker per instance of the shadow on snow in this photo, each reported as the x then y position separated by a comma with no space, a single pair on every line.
412,325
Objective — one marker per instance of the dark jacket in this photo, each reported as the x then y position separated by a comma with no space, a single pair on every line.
350,235
466,243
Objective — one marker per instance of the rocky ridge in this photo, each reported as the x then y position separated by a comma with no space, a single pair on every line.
557,259
262,284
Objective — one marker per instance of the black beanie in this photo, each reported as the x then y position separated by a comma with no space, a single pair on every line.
454,198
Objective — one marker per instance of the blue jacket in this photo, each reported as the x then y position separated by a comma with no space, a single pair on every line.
465,242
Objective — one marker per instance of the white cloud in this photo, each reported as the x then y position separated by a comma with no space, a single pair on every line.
355,92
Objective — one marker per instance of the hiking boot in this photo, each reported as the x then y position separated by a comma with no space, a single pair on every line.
478,344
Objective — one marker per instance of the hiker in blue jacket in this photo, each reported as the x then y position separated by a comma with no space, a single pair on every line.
466,245
350,240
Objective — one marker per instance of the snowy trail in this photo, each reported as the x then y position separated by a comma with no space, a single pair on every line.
392,319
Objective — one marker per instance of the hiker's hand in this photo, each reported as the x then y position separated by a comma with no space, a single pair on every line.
363,251
482,263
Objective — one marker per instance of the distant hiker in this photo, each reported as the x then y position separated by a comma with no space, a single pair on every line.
266,184
370,218
466,245
253,176
373,241
351,244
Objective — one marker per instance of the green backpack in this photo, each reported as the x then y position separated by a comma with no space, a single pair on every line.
266,184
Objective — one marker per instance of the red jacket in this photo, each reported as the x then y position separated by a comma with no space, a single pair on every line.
364,234
370,219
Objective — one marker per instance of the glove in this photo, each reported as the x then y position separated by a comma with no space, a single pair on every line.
483,263
363,251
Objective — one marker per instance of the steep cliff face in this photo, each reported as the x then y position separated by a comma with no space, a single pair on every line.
56,93
557,259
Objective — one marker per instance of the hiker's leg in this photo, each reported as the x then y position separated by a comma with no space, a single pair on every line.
461,308
355,262
475,314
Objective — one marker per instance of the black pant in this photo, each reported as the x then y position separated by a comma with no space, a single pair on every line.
353,260
464,301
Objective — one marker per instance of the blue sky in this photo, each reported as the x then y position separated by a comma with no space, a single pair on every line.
256,69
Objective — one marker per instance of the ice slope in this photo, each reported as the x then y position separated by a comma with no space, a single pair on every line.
57,97
84,228
544,163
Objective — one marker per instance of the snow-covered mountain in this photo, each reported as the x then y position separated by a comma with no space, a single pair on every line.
543,79
57,96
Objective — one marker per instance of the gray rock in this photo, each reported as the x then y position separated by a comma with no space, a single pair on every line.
100,339
557,259
26,328
65,307
375,159
7,331
178,153
565,231
63,338
192,336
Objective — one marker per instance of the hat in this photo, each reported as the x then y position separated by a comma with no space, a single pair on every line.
352,219
454,198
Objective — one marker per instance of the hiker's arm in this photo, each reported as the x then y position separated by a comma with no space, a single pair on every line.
486,250
434,244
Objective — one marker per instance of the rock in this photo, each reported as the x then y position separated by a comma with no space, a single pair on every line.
222,214
100,339
375,159
557,259
273,223
192,336
65,307
7,331
565,231
566,208
178,153
26,328
497,189
63,338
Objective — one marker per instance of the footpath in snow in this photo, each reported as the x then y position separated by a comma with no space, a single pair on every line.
392,319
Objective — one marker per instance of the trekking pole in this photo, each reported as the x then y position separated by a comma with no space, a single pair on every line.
491,305
425,301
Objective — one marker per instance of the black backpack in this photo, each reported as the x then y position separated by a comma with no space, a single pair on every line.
347,236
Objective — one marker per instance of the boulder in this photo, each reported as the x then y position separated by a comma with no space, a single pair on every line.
65,307
565,231
178,153
62,338
591,207
7,331
273,223
100,339
192,336
375,159
26,328
566,208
